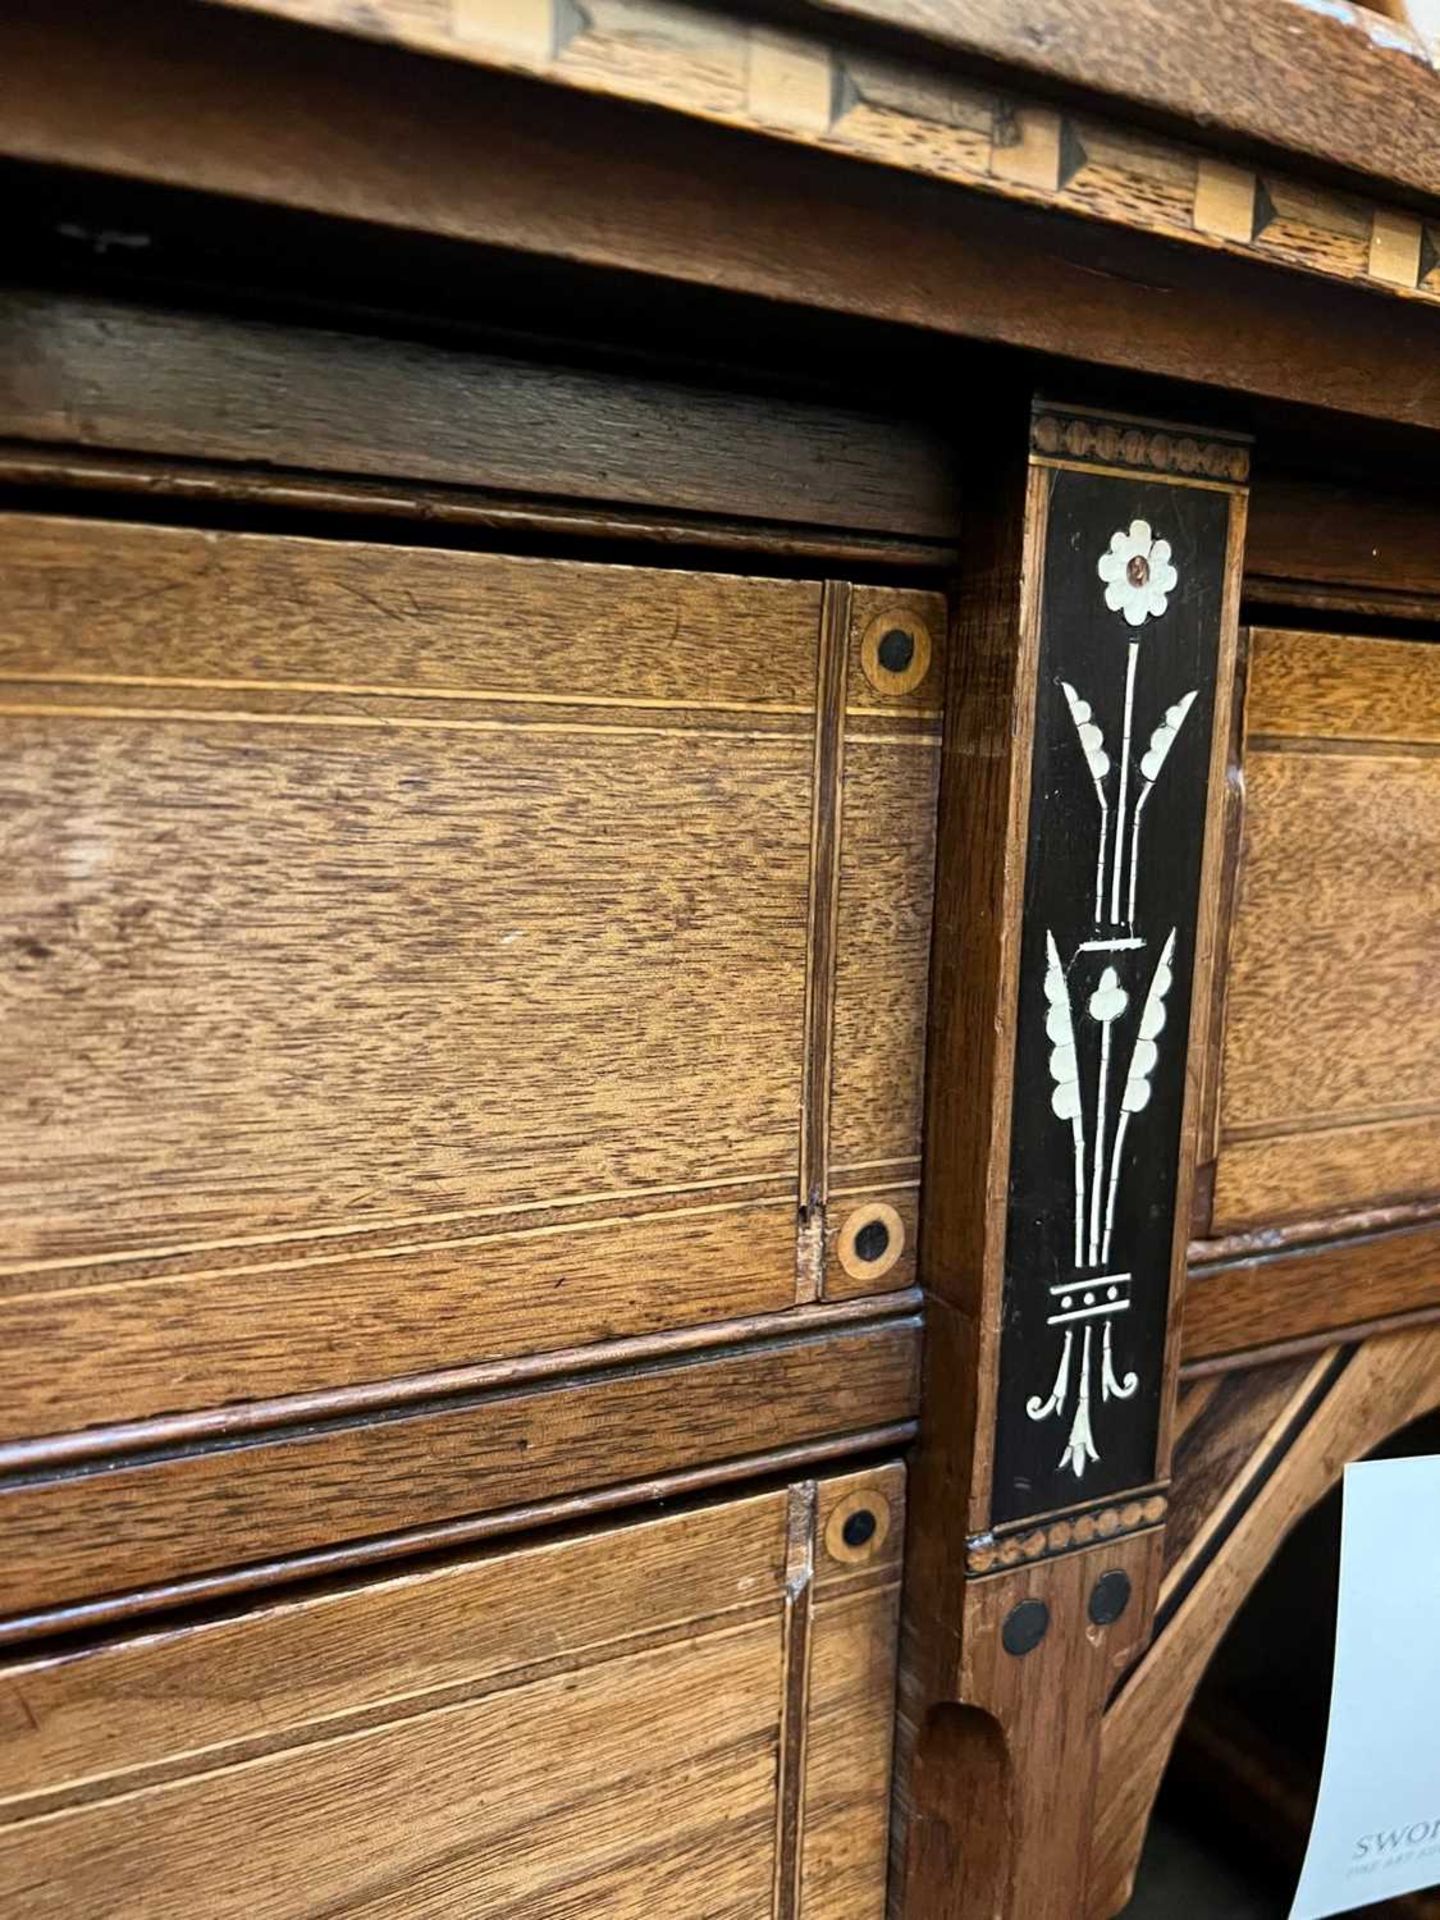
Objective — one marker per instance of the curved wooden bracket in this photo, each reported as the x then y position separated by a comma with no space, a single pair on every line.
1387,1383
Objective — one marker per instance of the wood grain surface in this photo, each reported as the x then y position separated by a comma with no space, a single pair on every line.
849,1744
1331,1015
1314,1292
1294,1175
984,796
883,954
952,1771
850,1205
1327,1091
86,372
450,514
417,959
94,602
351,1558
1323,686
999,1742
322,1316
381,1756
1348,538
1002,1794
1269,70
284,978
172,1514
1227,1428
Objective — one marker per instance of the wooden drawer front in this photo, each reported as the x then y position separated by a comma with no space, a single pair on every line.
415,957
687,1717
1330,1089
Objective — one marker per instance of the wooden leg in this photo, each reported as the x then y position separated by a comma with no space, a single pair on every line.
1003,1787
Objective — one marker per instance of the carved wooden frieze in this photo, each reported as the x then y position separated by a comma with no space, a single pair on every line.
1138,529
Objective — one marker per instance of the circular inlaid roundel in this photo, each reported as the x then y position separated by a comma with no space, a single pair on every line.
857,1527
871,1240
895,652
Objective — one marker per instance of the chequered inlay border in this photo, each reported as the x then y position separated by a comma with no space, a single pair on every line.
912,117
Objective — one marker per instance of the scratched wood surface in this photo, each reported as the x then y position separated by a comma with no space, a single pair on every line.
1328,1097
419,957
379,1755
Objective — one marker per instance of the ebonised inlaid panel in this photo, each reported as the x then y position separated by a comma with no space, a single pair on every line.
1132,602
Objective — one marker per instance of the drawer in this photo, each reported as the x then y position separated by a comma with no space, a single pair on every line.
420,958
688,1716
1331,1058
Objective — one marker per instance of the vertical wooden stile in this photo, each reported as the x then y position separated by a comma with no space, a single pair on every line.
1081,833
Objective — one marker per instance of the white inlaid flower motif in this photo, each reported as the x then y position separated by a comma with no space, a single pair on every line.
1138,574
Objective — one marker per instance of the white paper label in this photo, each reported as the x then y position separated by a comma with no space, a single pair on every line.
1377,1823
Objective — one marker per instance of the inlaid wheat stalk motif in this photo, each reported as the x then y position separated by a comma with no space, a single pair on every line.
1140,577
1092,745
1151,761
1143,1059
1065,1074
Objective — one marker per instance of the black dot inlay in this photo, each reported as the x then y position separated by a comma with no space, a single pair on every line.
896,650
872,1240
1109,1598
859,1527
1025,1627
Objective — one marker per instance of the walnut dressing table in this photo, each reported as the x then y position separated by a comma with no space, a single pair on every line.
721,851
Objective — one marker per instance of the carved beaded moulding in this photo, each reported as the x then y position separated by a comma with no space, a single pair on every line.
994,1553
1122,443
